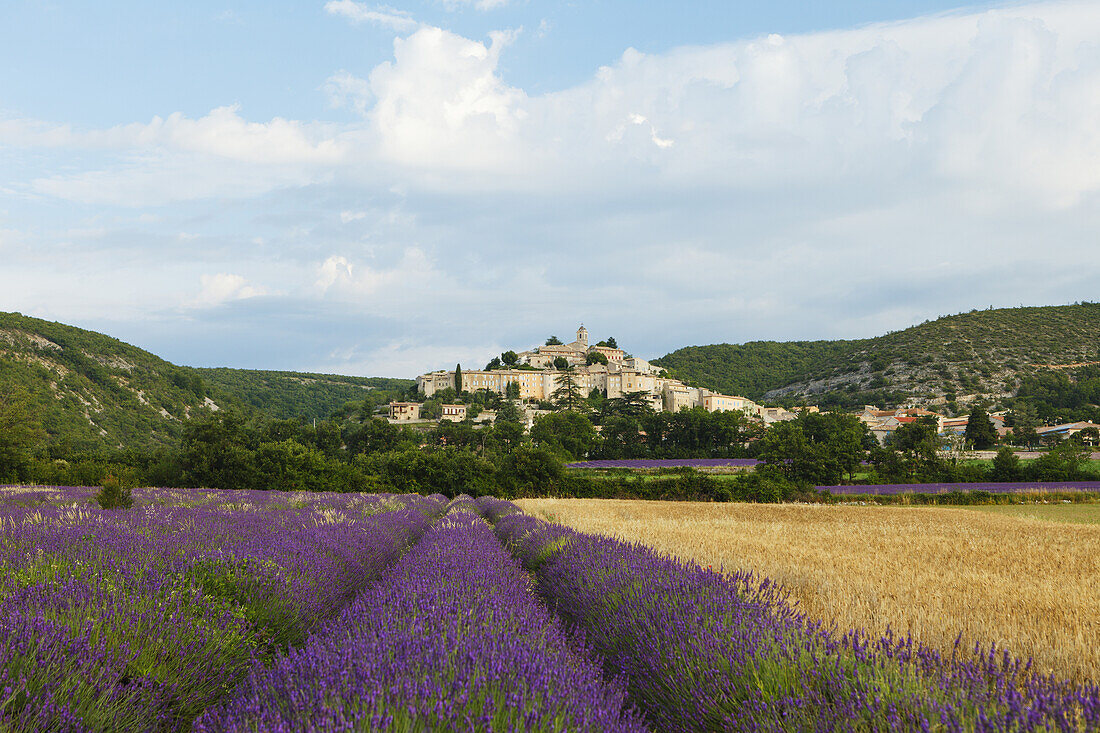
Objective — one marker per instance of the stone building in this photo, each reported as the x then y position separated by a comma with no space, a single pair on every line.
537,379
404,411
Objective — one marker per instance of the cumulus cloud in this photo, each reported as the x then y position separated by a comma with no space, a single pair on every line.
224,287
332,270
397,20
380,287
441,102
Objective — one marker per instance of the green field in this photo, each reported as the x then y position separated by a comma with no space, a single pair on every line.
1067,513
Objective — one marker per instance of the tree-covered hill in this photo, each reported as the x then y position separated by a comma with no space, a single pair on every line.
90,391
286,395
951,358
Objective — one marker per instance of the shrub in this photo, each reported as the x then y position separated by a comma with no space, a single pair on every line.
113,495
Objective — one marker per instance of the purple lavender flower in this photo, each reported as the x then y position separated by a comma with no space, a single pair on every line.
140,620
702,652
452,638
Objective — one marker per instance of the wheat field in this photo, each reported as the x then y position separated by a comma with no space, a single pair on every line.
1030,586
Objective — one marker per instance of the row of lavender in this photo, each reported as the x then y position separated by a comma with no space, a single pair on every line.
1017,487
667,463
145,619
700,651
451,638
142,619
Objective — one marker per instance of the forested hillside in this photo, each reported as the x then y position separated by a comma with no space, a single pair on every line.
286,395
89,391
981,352
92,391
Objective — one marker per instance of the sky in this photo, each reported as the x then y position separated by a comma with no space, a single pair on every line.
372,189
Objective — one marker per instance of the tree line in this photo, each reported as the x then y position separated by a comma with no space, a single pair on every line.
356,450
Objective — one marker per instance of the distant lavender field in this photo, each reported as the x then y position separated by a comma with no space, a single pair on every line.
668,463
993,488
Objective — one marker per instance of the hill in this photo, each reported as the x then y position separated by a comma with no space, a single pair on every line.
948,360
286,395
91,391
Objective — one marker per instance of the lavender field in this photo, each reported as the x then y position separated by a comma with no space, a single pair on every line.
1018,487
243,611
638,463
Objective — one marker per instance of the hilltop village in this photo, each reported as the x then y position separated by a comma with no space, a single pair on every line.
535,378
540,373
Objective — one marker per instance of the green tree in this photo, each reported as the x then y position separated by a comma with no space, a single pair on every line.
568,433
217,451
431,409
980,432
504,437
596,398
20,432
531,471
1026,436
595,357
553,341
567,395
494,363
911,453
561,363
509,412
113,495
509,358
458,378
511,390
634,405
845,438
786,449
1063,462
1006,466
622,438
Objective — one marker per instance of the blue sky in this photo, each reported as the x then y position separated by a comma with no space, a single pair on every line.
107,63
386,189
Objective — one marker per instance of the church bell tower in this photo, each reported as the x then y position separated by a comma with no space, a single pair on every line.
582,335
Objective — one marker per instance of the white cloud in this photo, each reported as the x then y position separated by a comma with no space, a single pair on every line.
345,89
795,186
178,159
441,103
222,288
334,269
397,20
385,288
479,4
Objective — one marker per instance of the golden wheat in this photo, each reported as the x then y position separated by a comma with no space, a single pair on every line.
1032,587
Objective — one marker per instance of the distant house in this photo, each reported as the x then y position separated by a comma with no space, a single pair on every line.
776,414
404,411
453,413
1067,430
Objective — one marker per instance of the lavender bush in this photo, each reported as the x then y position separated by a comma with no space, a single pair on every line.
705,652
139,620
451,638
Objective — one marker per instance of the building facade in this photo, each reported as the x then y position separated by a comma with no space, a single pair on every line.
538,379
404,411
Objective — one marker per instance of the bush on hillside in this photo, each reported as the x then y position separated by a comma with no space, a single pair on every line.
113,495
